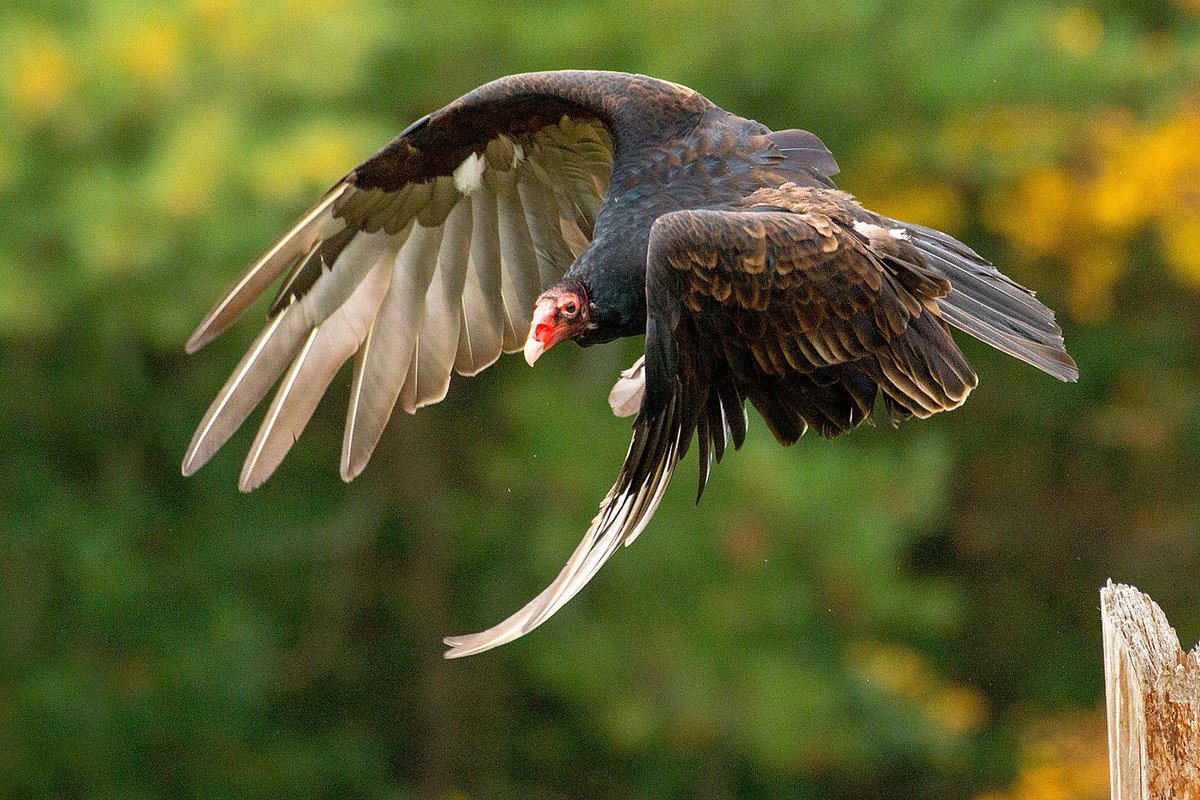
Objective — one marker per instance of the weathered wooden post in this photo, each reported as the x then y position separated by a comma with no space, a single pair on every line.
1153,697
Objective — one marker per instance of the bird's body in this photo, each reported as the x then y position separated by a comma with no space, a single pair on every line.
605,205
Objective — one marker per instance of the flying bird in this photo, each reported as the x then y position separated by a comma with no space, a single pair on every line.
595,205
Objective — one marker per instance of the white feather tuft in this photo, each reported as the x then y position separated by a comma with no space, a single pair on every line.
468,176
626,396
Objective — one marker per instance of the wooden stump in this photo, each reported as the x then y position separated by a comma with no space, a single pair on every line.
1153,696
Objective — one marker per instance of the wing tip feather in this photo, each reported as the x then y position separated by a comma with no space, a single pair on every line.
187,468
198,339
352,465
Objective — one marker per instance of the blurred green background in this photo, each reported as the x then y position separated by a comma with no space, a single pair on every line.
905,613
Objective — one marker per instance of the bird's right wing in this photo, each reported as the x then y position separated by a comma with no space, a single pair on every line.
426,259
798,300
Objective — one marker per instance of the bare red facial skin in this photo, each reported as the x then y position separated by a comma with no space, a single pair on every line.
556,316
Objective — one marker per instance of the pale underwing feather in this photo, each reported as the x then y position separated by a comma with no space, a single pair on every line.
487,263
442,322
548,169
269,356
623,515
482,338
443,196
541,217
458,289
520,286
389,351
249,383
312,370
625,398
407,398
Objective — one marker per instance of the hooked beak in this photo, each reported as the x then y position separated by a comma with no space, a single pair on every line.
544,331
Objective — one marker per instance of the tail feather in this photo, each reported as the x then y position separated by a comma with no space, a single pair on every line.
992,307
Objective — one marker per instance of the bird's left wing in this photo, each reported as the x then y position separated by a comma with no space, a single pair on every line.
426,259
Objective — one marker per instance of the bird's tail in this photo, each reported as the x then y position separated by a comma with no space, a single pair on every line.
991,306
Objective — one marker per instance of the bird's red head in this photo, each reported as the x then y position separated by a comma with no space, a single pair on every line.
561,312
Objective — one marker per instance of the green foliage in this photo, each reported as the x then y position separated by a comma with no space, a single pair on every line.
882,616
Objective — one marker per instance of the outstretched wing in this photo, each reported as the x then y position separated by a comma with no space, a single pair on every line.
426,259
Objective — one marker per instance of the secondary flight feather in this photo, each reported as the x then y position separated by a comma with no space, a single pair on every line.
590,206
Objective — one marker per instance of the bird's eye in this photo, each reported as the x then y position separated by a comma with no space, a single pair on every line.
570,308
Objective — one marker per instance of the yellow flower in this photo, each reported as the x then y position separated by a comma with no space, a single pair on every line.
1095,268
958,709
1078,31
1180,236
955,708
150,50
938,205
310,158
1063,758
314,9
42,75
213,10
193,163
1038,213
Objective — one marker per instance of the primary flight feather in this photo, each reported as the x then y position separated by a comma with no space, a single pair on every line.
589,206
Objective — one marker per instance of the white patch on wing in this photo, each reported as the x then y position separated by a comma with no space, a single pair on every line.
869,229
468,176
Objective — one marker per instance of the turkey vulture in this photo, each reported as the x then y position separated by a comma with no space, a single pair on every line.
594,205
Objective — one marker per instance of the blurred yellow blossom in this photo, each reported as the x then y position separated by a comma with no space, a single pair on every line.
315,8
938,205
1181,245
213,10
150,49
1062,758
237,33
1094,269
192,163
1124,178
42,75
892,188
955,708
314,156
1037,213
115,247
1006,139
1078,31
